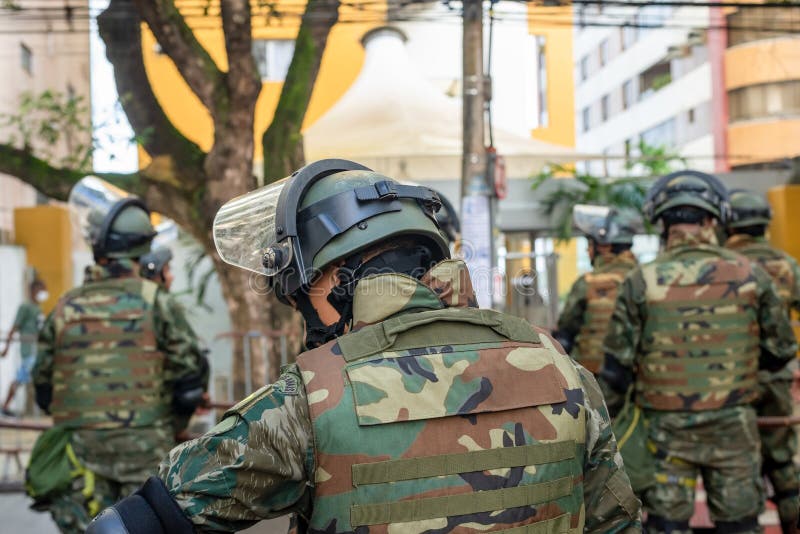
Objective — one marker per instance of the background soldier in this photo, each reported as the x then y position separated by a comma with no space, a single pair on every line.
583,323
750,215
113,365
691,329
428,415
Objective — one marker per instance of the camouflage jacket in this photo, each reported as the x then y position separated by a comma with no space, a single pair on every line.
126,453
260,460
589,305
770,335
783,268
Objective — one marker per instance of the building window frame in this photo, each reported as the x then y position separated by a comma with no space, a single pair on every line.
272,57
26,58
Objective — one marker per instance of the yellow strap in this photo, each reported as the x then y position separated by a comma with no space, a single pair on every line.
663,478
93,505
629,431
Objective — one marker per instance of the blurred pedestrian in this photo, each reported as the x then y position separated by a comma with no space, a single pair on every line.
583,322
115,368
27,322
412,410
690,331
750,216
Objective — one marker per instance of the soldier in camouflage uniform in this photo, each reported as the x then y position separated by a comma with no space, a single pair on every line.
750,215
115,367
583,322
690,331
413,411
155,266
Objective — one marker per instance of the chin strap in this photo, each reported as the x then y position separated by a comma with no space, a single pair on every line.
412,261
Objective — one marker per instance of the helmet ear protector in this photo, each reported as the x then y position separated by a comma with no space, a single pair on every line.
658,194
289,259
108,241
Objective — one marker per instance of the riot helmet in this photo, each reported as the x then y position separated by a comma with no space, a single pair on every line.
687,189
748,209
606,225
324,214
115,223
153,263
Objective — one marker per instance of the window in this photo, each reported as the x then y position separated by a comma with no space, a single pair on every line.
628,97
585,116
273,57
661,134
604,52
628,37
584,68
757,23
655,78
764,100
604,108
628,145
26,58
541,79
690,115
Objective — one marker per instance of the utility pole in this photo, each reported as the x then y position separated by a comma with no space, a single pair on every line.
476,195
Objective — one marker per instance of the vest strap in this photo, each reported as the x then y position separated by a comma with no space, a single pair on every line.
452,505
468,462
382,336
736,384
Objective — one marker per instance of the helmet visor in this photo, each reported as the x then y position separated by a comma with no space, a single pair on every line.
90,201
244,229
592,220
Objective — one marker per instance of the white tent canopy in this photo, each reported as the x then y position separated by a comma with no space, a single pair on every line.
396,122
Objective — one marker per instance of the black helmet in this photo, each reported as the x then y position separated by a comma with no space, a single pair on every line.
687,188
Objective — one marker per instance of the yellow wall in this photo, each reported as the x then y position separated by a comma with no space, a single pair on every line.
341,64
46,234
555,24
567,265
763,140
761,62
785,200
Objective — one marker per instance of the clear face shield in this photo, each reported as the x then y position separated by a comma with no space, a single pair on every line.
245,230
90,201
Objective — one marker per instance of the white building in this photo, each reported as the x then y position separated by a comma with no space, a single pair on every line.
645,83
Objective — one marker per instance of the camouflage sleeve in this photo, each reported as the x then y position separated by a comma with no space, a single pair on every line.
253,465
42,373
178,340
622,340
778,343
611,505
571,317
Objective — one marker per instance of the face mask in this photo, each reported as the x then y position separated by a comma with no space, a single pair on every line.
42,296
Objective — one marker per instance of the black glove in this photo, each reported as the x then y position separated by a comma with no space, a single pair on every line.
151,510
567,341
44,396
187,392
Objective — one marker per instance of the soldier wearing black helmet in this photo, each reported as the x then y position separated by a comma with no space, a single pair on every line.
413,411
155,266
116,368
690,331
747,227
583,322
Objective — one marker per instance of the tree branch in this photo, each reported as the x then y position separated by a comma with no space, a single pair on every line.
120,29
180,44
282,141
56,183
242,76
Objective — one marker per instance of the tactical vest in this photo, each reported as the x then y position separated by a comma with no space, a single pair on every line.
446,419
601,295
108,372
700,340
779,268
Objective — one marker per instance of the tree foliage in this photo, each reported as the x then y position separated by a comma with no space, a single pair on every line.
574,187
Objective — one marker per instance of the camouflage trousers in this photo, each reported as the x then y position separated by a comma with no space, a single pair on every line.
722,446
778,446
71,512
